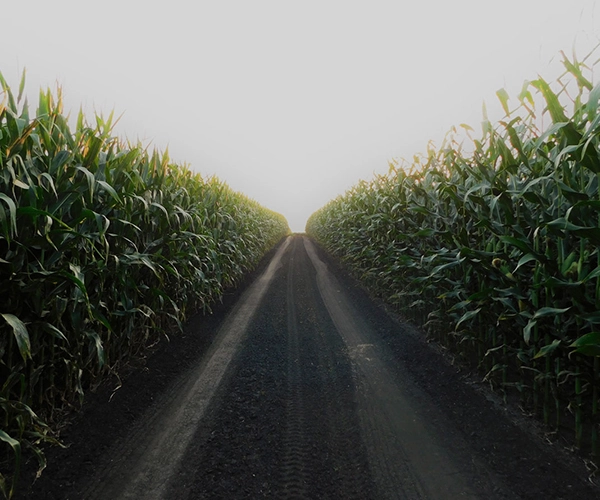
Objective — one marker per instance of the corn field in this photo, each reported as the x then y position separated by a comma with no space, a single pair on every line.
105,248
493,246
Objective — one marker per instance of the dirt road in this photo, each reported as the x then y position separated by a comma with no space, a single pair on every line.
303,387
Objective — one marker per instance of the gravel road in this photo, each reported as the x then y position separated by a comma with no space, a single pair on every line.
301,386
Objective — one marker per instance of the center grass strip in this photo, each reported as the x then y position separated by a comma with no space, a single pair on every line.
154,452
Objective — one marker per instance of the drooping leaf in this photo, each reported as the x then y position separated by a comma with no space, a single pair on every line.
547,349
21,334
543,312
467,316
588,344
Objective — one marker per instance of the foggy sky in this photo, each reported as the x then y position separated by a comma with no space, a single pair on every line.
290,103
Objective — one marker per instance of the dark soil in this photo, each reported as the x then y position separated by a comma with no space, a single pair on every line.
284,422
261,439
514,444
107,415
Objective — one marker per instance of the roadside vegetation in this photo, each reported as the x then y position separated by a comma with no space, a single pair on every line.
492,244
105,248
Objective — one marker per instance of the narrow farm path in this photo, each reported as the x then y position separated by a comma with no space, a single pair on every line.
300,386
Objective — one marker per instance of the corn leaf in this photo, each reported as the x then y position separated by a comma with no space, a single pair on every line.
21,335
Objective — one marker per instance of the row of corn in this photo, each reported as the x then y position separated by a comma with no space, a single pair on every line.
105,247
498,237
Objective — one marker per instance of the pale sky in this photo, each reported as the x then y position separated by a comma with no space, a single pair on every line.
291,103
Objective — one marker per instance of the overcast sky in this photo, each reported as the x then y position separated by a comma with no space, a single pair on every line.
289,102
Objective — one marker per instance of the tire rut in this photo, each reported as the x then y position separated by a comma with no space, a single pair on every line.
295,468
324,454
284,424
402,451
351,472
150,457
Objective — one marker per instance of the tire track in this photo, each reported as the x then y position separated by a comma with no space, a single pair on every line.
351,475
324,455
295,475
402,452
347,464
148,460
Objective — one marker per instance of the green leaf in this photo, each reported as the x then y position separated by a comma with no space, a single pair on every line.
448,265
592,104
12,207
503,97
424,232
94,146
556,110
22,85
20,333
98,347
547,349
16,446
593,317
110,190
553,282
59,160
553,130
522,245
524,260
515,140
527,330
158,205
461,305
50,182
549,311
77,278
588,344
13,443
101,318
575,69
564,224
467,316
91,180
571,194
592,233
54,331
